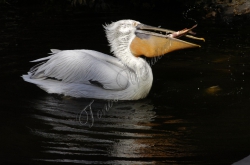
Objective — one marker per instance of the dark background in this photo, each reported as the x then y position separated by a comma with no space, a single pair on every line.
196,113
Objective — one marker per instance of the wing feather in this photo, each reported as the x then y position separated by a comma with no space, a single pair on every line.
84,66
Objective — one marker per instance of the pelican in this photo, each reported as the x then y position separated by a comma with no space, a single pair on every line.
124,76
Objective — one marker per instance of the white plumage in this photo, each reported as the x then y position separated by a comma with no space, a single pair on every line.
91,74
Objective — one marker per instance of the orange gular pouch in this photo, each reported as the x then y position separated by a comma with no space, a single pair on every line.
152,46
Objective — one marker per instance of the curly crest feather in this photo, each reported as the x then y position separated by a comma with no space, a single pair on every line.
120,34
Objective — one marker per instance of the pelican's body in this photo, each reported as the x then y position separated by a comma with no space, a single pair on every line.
91,74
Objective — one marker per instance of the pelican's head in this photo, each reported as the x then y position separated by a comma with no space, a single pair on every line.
140,39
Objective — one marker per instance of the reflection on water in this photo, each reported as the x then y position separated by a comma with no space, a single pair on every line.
127,133
122,132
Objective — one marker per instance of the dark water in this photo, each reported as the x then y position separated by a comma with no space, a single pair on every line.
196,113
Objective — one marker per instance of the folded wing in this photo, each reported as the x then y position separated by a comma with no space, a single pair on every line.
83,67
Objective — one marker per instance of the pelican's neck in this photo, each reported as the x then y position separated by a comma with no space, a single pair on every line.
128,59
120,35
137,65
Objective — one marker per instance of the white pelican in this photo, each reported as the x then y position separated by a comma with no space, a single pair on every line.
91,74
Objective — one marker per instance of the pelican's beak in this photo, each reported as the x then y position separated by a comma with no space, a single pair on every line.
153,41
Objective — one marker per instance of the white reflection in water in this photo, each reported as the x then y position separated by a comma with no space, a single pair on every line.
122,132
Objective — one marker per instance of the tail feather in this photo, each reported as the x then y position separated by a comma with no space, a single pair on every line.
34,68
50,86
53,51
42,59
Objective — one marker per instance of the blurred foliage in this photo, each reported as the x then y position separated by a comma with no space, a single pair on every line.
90,3
98,5
204,9
165,6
